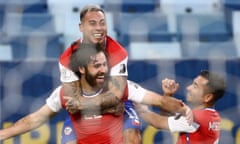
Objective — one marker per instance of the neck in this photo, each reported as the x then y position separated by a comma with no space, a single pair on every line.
103,44
92,94
202,106
88,90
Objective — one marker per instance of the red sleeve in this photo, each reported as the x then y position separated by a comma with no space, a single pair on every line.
116,52
65,56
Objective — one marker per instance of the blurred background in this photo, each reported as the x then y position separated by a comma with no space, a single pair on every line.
164,38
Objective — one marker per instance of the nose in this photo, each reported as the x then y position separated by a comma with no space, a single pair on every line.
103,69
99,26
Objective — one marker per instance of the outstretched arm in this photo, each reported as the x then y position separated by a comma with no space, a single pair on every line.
152,118
173,124
169,104
27,123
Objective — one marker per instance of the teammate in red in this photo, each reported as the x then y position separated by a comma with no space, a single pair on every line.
92,126
206,89
94,29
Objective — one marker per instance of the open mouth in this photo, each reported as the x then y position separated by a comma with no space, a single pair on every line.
98,35
100,77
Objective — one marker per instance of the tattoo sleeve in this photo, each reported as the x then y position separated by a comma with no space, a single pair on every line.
71,88
108,99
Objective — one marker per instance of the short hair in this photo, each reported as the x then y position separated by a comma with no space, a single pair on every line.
216,84
81,56
90,8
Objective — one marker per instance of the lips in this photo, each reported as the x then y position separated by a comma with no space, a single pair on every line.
100,79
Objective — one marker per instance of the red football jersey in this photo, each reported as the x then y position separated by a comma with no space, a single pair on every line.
209,130
114,50
97,128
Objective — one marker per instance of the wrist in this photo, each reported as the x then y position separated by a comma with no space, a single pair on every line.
186,109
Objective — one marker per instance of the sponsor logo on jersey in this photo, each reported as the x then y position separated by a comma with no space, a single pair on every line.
122,68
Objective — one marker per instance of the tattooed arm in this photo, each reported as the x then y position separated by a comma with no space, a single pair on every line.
108,99
71,88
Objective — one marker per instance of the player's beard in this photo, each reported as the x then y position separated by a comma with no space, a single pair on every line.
93,79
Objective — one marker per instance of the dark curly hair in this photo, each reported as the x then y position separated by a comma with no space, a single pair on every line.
81,56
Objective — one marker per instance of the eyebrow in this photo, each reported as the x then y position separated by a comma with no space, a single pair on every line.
195,83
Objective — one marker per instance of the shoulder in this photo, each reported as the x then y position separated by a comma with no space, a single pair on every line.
112,46
65,56
206,115
116,53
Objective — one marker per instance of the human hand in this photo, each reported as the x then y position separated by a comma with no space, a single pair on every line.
73,104
116,110
188,114
169,87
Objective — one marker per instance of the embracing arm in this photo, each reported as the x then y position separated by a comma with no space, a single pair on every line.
108,99
27,123
116,88
152,118
167,103
172,123
71,88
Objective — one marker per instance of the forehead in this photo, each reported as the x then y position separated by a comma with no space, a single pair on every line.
94,15
98,58
201,81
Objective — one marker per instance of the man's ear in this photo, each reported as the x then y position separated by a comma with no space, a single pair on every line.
81,70
208,97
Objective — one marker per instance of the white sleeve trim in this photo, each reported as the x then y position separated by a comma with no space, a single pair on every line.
66,75
181,125
53,101
136,93
120,69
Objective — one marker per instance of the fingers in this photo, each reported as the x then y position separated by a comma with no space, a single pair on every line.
169,86
189,116
72,104
169,83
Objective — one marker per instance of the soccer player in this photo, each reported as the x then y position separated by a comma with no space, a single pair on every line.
206,89
92,68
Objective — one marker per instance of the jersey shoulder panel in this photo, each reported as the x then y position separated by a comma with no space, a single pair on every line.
115,51
65,56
